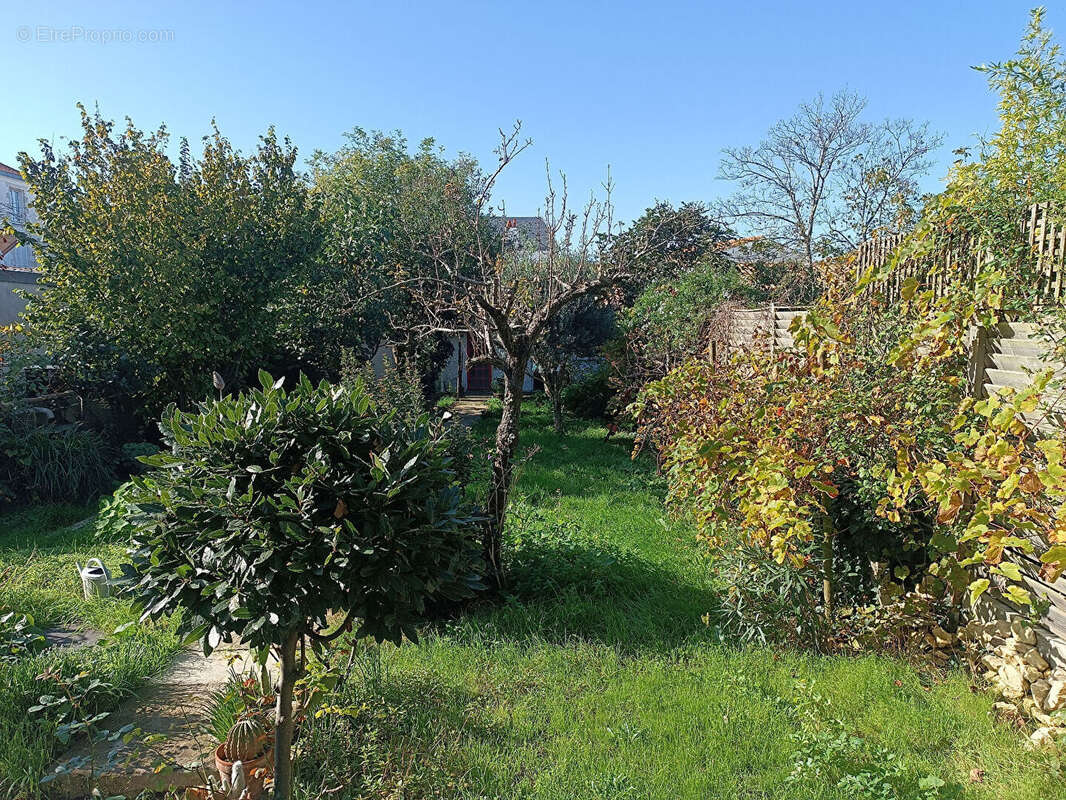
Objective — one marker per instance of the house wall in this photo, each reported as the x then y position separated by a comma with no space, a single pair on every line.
452,377
11,305
21,256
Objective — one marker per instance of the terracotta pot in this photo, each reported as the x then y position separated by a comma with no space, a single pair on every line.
201,793
256,771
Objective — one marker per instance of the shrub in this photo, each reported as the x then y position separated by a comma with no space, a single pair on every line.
274,508
53,463
398,388
591,396
445,402
792,453
461,448
133,452
768,602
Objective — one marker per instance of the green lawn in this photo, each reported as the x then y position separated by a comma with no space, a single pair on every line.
38,549
597,678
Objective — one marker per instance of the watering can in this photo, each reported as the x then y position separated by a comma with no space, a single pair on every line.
95,580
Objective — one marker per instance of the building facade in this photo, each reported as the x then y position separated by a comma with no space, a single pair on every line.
18,263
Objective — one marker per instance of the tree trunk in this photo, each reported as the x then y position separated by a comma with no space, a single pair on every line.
827,567
284,723
557,411
503,469
553,387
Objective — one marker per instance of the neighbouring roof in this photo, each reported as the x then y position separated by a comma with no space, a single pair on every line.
11,171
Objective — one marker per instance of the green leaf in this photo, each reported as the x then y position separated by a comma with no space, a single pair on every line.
976,589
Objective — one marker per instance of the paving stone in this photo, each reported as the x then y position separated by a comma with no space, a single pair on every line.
63,636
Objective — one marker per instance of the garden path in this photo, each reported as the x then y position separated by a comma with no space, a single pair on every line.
468,410
169,712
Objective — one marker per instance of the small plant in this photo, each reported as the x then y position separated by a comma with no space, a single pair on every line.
243,696
493,407
111,524
462,447
446,402
18,636
73,709
246,740
222,710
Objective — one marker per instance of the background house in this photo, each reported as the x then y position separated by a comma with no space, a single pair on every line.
18,263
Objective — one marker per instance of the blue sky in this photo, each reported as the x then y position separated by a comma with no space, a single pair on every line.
655,90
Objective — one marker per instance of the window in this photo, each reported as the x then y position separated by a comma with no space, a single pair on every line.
16,203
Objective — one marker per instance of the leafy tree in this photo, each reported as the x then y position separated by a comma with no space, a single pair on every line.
824,180
155,273
671,241
672,321
382,206
274,508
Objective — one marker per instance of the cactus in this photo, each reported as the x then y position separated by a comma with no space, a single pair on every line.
246,740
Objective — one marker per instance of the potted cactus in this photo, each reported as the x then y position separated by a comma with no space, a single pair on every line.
247,744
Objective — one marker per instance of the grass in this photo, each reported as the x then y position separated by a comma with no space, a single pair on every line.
597,677
38,551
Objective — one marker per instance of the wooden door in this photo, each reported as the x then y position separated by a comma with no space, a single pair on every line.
479,376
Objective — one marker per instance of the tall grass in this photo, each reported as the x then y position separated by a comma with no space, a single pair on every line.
55,463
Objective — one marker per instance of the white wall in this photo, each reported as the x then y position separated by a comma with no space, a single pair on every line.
11,305
451,377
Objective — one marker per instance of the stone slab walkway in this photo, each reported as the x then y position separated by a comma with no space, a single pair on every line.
468,410
65,636
172,706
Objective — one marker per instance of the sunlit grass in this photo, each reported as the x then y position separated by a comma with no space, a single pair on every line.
594,676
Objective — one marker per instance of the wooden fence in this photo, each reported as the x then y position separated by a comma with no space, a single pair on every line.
957,259
766,328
